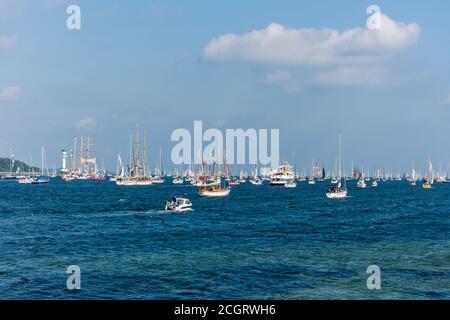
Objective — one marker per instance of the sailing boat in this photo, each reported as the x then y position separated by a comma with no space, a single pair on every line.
30,178
159,178
413,177
255,180
216,189
135,177
338,191
428,181
42,179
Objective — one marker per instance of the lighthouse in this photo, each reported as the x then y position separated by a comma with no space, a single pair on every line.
64,162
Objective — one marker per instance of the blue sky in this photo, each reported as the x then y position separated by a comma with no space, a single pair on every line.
152,63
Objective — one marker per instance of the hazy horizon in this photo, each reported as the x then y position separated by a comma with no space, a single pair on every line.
308,69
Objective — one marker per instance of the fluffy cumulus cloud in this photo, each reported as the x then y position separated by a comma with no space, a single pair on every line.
277,45
10,93
350,52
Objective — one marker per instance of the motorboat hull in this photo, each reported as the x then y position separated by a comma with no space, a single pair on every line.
337,195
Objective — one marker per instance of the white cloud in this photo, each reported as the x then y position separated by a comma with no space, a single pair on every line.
277,45
351,76
7,42
10,93
284,79
87,123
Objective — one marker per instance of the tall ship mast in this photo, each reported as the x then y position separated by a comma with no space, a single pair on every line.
138,168
88,160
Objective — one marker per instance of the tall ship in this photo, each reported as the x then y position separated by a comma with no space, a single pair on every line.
83,161
283,175
138,171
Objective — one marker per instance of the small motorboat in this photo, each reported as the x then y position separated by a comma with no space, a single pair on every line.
291,184
374,184
361,183
311,180
426,184
177,180
158,180
26,180
256,181
178,205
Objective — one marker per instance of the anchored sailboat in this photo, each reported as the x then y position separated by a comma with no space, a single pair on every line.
43,178
428,181
338,191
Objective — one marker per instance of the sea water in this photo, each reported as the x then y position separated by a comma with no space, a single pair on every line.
261,242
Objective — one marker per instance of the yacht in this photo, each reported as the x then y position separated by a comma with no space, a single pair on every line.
157,180
42,179
178,205
339,190
213,190
281,176
177,180
234,181
361,183
255,180
26,180
291,184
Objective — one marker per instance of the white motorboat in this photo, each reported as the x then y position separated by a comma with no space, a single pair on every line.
282,175
374,184
178,205
361,183
177,180
291,184
158,180
26,180
256,181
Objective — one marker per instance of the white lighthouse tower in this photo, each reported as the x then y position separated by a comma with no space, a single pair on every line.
64,169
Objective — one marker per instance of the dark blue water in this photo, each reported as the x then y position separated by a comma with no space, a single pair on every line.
260,243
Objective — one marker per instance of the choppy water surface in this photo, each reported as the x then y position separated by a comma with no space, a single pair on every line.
260,243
